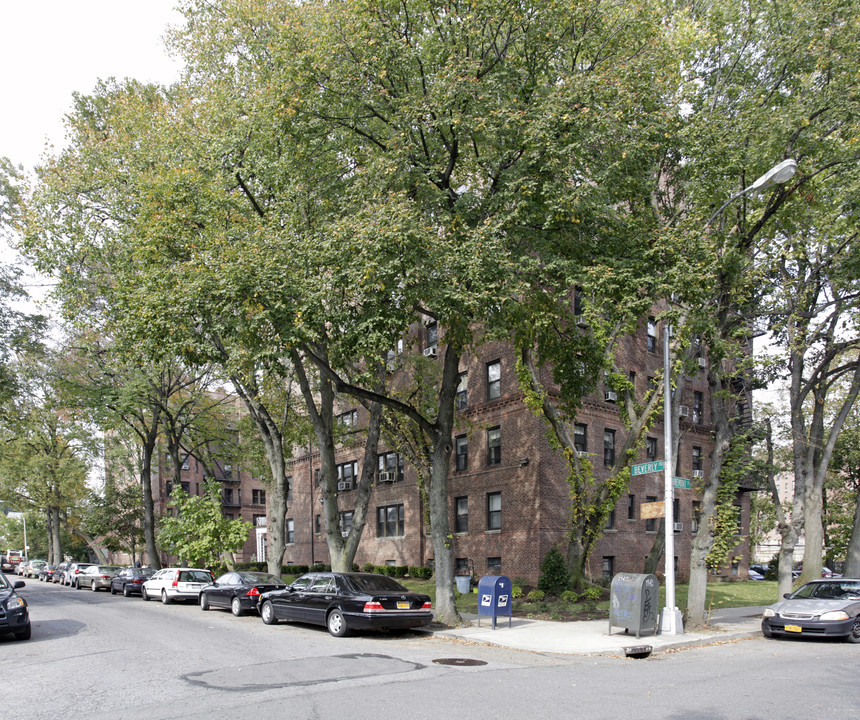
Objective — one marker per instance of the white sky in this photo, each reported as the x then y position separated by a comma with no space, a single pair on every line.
53,48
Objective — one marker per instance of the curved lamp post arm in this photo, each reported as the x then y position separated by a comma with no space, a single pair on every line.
777,175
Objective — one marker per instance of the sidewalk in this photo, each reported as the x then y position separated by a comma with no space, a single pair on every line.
591,637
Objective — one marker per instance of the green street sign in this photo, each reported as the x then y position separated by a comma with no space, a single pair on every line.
682,483
645,468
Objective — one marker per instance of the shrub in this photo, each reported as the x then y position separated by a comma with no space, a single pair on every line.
536,595
294,569
400,571
421,573
592,594
569,596
516,591
368,567
554,577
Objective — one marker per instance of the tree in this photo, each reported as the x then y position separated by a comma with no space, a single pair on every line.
199,534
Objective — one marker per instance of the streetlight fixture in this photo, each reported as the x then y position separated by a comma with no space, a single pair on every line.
671,622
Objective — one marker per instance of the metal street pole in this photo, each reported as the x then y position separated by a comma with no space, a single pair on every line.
671,622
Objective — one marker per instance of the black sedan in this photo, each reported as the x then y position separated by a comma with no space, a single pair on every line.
14,614
347,601
239,591
129,581
821,608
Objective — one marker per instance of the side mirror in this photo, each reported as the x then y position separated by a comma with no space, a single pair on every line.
19,584
786,595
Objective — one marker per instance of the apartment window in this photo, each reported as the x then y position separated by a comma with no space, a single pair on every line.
608,566
462,400
650,523
577,305
698,407
391,462
186,462
494,446
347,475
432,335
345,522
462,566
229,516
348,419
697,458
494,380
186,487
258,497
494,511
580,437
610,520
389,521
652,335
289,483
631,506
392,359
632,376
494,566
228,496
694,516
461,519
291,531
676,510
461,452
608,448
317,524
650,449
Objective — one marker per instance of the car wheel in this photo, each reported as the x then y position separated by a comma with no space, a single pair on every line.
267,612
112,589
77,584
336,623
24,634
93,586
204,602
765,630
125,591
854,634
236,607
164,599
143,594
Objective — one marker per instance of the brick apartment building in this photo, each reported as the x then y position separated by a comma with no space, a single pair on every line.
509,500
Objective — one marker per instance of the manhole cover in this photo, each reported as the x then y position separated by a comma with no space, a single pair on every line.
459,661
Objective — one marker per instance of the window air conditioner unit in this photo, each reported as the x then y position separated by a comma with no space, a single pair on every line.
582,453
677,527
684,411
698,473
430,352
344,486
610,396
703,363
581,323
386,477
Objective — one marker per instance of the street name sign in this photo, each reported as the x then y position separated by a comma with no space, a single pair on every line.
682,483
646,468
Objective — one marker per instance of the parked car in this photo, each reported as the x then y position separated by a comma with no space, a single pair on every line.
60,571
130,580
46,572
176,584
239,591
755,575
820,608
96,577
70,574
347,601
14,613
6,565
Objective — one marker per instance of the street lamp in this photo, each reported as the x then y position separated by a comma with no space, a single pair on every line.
671,622
24,519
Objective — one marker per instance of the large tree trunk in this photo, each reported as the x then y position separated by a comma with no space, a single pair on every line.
149,505
55,543
652,562
852,557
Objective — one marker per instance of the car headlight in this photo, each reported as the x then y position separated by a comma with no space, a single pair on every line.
768,612
834,615
15,603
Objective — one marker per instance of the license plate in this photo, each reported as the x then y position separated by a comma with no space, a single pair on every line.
793,628
403,606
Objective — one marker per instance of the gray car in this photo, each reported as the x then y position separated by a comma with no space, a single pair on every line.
821,608
70,575
96,577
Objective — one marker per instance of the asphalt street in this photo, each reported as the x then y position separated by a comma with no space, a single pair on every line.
92,654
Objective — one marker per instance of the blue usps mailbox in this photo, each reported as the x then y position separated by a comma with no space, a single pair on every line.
494,598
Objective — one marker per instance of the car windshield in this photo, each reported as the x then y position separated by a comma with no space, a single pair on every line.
261,579
375,583
831,590
109,569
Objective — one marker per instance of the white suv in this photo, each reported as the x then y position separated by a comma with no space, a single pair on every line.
176,583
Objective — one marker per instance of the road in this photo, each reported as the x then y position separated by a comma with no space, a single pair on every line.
94,655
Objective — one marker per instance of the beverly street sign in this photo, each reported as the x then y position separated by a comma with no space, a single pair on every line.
646,468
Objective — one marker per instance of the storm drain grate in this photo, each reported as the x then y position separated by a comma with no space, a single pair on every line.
462,662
